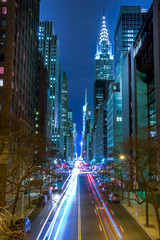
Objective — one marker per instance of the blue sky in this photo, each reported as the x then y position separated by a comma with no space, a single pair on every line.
77,23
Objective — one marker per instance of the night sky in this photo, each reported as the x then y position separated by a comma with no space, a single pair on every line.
77,24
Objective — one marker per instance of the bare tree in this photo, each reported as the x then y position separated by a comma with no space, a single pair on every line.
21,151
137,167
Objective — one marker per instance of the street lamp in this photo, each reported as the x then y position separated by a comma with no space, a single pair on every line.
122,157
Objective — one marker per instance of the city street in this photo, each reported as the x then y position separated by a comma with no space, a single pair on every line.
83,213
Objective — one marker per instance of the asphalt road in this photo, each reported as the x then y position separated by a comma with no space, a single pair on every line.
84,214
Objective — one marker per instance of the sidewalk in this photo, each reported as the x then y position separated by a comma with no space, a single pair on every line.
19,212
139,213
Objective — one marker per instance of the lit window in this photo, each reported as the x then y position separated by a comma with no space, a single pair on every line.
4,0
1,70
1,82
3,34
119,119
4,10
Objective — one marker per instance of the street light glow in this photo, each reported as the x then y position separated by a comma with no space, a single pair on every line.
122,157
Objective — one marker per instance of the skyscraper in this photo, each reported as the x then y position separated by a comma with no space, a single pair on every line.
49,48
127,27
64,114
104,57
103,67
128,24
87,116
19,58
18,78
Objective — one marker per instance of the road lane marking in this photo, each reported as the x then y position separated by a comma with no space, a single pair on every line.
41,221
101,223
79,214
121,229
95,212
92,202
100,228
112,212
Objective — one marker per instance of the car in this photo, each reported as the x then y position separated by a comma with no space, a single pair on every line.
101,185
20,227
59,178
114,197
54,187
48,193
105,189
42,200
35,201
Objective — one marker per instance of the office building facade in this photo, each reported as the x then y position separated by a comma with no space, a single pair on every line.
49,48
19,58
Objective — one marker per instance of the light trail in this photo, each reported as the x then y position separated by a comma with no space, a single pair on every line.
107,211
101,223
108,227
47,218
67,192
66,208
53,207
79,215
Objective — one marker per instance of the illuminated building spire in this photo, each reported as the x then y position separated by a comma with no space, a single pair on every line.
104,37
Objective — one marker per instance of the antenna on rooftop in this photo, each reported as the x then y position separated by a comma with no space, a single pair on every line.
103,7
85,96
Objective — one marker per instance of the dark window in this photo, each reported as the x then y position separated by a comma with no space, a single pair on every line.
1,57
4,22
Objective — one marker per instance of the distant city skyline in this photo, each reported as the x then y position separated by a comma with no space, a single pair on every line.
77,25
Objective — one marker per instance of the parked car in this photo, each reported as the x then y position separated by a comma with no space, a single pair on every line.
54,187
35,201
101,185
42,200
59,178
114,197
20,227
105,190
48,193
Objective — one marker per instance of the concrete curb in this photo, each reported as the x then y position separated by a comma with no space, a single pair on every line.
31,211
137,222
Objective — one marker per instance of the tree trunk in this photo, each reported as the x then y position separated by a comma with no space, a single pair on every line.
29,196
129,202
147,215
15,204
